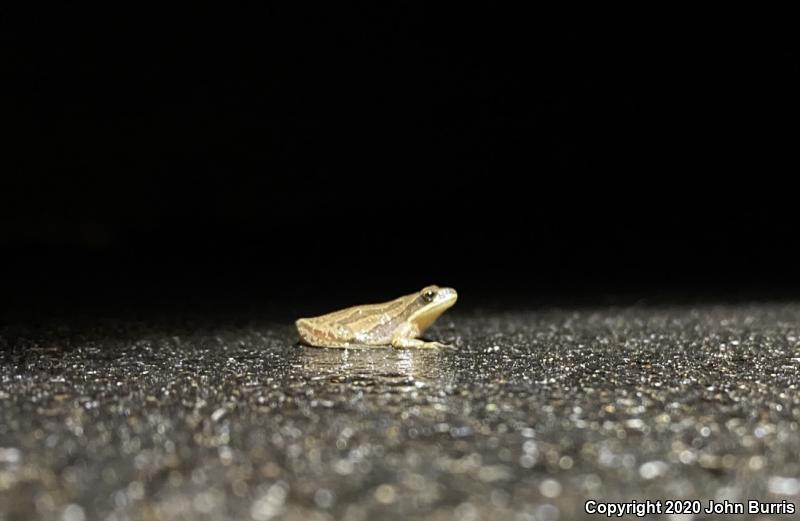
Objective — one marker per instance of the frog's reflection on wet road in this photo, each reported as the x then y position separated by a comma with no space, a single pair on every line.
375,369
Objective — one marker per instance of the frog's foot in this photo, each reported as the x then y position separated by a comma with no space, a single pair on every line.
438,345
415,343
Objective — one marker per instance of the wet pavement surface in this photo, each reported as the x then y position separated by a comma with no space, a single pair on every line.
535,413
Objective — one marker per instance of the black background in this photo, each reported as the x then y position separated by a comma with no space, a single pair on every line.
277,156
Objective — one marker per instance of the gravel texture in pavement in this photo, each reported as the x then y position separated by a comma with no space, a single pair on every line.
535,412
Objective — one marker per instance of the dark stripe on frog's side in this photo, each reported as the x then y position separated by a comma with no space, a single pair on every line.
360,314
399,316
386,331
352,314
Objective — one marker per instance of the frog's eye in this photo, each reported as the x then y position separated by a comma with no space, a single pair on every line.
429,295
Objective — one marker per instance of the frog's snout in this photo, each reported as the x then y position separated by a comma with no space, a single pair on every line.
447,296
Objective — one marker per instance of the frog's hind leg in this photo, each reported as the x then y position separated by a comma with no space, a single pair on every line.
412,343
324,342
314,336
333,345
324,345
416,343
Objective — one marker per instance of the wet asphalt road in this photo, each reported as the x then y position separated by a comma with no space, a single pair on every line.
535,413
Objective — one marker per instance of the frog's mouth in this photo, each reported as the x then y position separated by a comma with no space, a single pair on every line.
445,298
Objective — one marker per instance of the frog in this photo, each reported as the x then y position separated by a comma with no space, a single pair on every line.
398,323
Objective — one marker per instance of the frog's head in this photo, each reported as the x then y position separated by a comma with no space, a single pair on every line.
432,301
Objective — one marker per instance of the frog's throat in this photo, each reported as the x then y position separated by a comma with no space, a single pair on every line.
427,315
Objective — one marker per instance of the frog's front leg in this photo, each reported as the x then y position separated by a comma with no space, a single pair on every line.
405,337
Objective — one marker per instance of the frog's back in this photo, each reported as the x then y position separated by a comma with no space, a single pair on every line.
369,324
